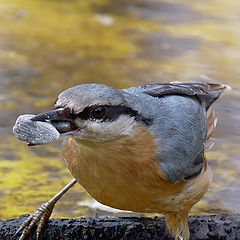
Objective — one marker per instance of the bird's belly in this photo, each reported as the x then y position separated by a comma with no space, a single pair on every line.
118,180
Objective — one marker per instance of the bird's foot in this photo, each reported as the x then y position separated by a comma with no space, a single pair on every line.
38,218
42,214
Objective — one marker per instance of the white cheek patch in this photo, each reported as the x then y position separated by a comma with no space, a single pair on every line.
107,130
34,132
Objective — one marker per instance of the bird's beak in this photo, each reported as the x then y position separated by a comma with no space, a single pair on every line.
60,118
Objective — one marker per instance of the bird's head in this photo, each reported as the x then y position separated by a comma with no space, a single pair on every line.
93,112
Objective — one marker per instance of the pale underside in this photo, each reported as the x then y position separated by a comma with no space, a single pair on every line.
123,173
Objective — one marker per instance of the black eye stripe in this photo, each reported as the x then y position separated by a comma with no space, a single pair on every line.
112,113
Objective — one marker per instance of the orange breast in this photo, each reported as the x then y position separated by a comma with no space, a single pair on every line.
123,173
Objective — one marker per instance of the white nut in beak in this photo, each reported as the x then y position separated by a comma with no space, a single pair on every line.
34,132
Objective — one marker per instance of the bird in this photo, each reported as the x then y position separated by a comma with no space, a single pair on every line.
140,149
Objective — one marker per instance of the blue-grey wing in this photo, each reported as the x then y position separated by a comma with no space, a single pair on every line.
179,113
207,93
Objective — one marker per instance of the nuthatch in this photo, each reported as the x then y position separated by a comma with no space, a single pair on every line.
139,149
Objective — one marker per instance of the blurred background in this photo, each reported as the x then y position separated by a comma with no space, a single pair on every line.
47,46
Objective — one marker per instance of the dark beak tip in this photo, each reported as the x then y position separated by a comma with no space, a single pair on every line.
57,118
40,118
34,118
48,116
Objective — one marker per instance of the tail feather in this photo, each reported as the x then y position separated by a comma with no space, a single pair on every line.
211,125
177,224
214,91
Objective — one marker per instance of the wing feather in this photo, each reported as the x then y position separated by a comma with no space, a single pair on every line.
207,93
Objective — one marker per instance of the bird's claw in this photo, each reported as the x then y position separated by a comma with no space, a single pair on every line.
38,218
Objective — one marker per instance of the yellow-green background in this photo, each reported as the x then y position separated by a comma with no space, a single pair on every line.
49,45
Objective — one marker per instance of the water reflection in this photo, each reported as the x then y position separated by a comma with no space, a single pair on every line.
47,46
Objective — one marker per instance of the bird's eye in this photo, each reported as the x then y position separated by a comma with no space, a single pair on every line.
99,112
